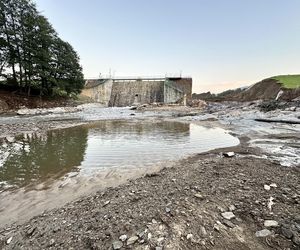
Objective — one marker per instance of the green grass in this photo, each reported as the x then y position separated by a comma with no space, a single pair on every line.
288,81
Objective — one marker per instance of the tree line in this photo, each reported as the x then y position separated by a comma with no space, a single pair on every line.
32,56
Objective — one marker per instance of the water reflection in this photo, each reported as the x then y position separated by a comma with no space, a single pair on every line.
34,158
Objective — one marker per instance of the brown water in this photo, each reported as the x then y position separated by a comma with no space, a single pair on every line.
33,158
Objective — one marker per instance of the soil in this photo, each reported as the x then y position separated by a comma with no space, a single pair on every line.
263,90
178,208
10,101
181,207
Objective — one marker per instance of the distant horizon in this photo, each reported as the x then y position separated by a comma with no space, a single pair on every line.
221,45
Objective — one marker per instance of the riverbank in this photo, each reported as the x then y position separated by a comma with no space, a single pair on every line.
181,206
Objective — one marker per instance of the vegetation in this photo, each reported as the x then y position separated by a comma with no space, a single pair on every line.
289,81
32,56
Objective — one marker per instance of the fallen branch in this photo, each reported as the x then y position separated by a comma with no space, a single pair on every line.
279,121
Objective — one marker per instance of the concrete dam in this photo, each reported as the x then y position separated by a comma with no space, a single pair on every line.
121,92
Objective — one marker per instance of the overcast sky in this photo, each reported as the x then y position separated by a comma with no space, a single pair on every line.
220,43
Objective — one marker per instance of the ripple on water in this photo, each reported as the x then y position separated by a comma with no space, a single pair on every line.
105,144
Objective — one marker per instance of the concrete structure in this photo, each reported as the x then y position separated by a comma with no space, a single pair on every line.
122,92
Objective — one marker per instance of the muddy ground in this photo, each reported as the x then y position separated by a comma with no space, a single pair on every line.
184,207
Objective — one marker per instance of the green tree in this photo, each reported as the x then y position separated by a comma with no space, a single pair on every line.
33,55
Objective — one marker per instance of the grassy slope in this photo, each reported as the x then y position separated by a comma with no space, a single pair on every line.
289,81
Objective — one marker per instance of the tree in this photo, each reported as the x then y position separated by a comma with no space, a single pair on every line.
33,54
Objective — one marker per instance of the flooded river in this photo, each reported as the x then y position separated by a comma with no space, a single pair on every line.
34,157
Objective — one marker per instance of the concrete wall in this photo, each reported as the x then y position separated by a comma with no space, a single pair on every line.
99,93
124,92
171,93
184,84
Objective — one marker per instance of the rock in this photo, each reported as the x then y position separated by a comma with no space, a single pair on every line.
232,208
263,233
158,248
270,203
160,239
228,215
203,231
132,240
168,210
228,154
9,240
267,187
189,236
199,196
30,231
228,223
106,203
273,185
286,232
296,240
52,242
271,223
117,245
149,236
123,237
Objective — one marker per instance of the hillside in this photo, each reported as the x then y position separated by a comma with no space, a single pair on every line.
266,89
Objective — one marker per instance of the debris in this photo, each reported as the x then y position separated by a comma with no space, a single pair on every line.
189,236
270,203
132,240
117,245
168,210
9,240
228,215
263,233
123,237
267,187
228,154
271,223
232,208
199,196
106,203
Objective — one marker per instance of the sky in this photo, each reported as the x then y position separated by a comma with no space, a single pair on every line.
221,44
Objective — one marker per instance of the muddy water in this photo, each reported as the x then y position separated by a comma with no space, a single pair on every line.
34,158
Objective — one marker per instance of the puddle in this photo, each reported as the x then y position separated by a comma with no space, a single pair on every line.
34,158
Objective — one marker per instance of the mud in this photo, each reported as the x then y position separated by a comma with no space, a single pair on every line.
180,205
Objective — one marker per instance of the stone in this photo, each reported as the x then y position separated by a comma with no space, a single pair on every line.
228,154
203,231
296,240
271,223
286,232
189,236
199,196
263,233
267,187
232,207
30,231
52,242
117,245
123,237
228,215
106,203
9,240
273,185
168,210
160,239
132,240
158,248
228,223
